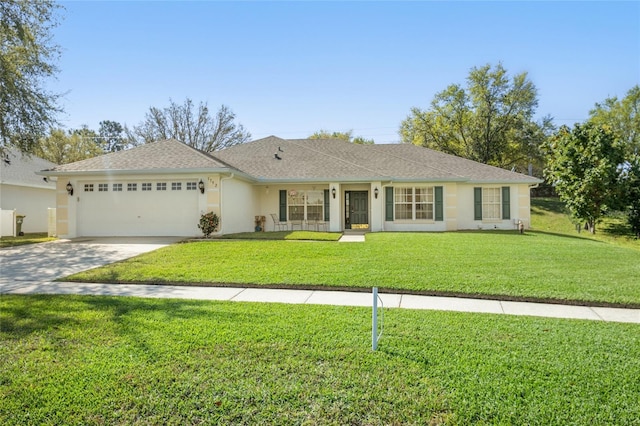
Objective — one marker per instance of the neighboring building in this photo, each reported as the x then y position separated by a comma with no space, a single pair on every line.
154,189
22,190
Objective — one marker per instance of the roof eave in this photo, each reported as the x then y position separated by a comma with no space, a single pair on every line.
140,171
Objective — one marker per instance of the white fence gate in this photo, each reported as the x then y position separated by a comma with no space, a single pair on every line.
7,223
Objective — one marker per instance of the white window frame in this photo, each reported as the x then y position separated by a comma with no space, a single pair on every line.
103,187
161,186
132,187
492,203
116,187
407,203
305,205
176,186
88,187
147,186
192,186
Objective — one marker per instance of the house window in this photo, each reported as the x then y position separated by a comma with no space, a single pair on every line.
192,186
403,203
306,205
176,186
146,186
103,187
88,187
161,186
132,187
296,205
117,187
491,204
424,203
413,203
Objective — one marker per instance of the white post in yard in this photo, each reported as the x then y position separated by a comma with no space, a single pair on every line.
375,336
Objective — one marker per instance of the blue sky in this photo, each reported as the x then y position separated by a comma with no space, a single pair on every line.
292,68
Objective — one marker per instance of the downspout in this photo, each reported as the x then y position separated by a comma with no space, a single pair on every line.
231,176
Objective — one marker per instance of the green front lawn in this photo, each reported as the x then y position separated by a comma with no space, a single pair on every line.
99,360
534,265
33,238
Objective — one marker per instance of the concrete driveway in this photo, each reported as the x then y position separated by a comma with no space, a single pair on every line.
49,261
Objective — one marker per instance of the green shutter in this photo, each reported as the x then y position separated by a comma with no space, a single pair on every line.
439,204
388,207
477,203
283,205
506,203
326,205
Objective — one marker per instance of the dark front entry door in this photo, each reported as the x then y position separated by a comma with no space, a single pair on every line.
357,213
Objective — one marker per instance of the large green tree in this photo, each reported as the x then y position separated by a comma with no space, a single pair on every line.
490,120
631,184
27,59
62,147
345,136
585,166
192,125
623,116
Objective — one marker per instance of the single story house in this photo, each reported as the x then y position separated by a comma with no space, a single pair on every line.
24,193
162,188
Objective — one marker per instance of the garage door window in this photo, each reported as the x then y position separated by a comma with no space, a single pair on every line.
132,187
161,186
176,186
146,186
191,186
117,187
88,187
103,187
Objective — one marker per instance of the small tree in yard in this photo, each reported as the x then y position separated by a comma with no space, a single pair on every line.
209,223
585,166
632,188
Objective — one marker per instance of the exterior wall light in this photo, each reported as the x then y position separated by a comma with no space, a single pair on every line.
69,188
375,192
201,186
333,192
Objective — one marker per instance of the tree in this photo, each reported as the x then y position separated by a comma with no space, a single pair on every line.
195,128
346,136
27,56
62,147
112,137
623,116
631,184
585,165
490,120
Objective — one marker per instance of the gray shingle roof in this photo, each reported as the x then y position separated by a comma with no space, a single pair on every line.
22,170
303,160
162,155
337,160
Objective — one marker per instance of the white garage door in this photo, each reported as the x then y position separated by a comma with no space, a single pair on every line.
138,208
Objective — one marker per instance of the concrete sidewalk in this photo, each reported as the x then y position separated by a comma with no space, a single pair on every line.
320,297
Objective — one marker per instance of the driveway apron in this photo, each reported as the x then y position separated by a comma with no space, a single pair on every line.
57,259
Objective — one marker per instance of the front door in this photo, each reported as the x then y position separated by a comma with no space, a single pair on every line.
357,210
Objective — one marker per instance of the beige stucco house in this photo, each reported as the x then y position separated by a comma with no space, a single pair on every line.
24,193
162,188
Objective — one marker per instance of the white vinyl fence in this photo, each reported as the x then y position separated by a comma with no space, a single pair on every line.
7,223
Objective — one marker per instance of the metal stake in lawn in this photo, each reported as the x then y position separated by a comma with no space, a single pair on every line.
374,320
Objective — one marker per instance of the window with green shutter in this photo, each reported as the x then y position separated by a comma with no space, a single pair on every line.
283,205
477,203
439,204
506,202
388,200
326,205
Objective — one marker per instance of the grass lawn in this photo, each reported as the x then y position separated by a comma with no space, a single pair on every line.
285,235
99,360
33,238
534,265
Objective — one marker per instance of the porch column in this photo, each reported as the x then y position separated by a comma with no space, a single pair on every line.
335,207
